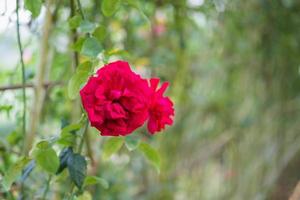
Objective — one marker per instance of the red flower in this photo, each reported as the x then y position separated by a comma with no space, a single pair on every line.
116,99
161,109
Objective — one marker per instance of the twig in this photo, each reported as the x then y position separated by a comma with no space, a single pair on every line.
88,148
47,187
23,70
80,9
83,136
30,85
39,95
74,36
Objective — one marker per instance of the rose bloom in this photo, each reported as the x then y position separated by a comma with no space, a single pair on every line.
161,109
116,99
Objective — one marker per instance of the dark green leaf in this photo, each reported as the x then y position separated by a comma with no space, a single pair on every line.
151,155
109,7
131,142
74,22
111,146
14,172
34,6
46,157
93,180
77,169
63,159
91,47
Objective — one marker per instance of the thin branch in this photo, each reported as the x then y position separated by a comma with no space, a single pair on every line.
85,132
88,148
30,85
41,76
23,69
74,36
80,9
47,187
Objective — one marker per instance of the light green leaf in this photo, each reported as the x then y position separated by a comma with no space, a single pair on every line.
151,155
77,169
85,196
78,44
131,143
71,127
86,66
109,7
46,157
34,6
81,75
93,180
86,26
66,139
74,22
111,146
75,83
100,33
91,47
14,172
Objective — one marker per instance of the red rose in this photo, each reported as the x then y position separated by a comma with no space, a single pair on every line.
116,99
161,109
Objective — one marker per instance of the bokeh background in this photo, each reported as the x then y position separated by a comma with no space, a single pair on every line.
233,68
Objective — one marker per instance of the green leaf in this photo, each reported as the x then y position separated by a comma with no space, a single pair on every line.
43,145
86,26
109,7
14,137
67,139
34,6
14,172
78,44
111,146
100,33
93,180
151,155
85,196
75,83
71,128
63,159
86,66
46,157
74,22
91,47
131,143
77,169
82,73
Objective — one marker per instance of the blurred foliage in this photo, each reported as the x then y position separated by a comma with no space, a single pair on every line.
233,68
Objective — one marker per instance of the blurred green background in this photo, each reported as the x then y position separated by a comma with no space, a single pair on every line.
233,68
